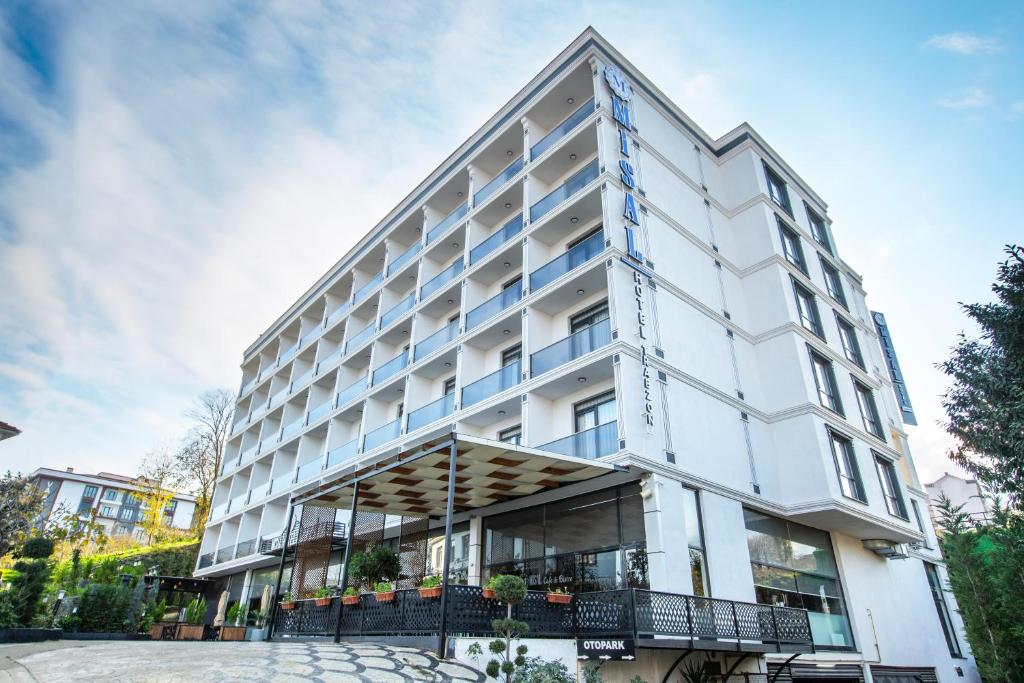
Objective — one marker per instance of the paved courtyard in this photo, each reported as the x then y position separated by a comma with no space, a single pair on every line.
307,662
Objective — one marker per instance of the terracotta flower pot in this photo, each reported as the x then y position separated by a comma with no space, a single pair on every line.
426,593
389,596
559,598
488,593
288,605
350,599
322,602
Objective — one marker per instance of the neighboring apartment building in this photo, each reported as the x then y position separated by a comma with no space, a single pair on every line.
661,379
8,430
112,500
960,491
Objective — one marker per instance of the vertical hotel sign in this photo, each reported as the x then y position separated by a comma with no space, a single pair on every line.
899,386
622,93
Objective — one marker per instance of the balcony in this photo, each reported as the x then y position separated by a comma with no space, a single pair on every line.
449,220
574,184
279,397
269,441
432,412
358,338
302,380
248,454
404,258
309,337
259,411
225,554
260,492
507,232
441,279
245,548
288,354
391,368
292,429
381,435
397,310
569,261
495,305
336,314
329,361
351,391
589,444
249,386
309,470
436,340
561,130
495,183
367,288
492,385
572,347
206,560
238,502
320,412
282,481
341,453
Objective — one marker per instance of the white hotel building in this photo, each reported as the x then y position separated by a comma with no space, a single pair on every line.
688,400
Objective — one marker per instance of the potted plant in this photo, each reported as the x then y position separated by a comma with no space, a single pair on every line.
350,596
287,601
231,629
384,591
258,630
488,590
323,597
193,627
430,587
377,564
558,596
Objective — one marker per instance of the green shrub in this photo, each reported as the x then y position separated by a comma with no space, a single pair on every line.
383,587
323,593
430,582
536,670
379,563
104,608
351,591
508,588
29,582
231,618
37,548
195,612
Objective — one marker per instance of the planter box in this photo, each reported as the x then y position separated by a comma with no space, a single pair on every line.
190,632
28,635
322,602
288,605
488,593
559,598
232,633
389,596
256,635
163,630
428,593
90,635
350,599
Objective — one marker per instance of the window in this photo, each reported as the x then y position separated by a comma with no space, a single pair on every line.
89,492
777,189
833,282
110,494
695,541
511,355
793,566
586,236
400,412
825,381
807,309
106,511
595,411
919,520
791,248
512,435
170,507
940,606
868,410
588,317
819,230
122,530
449,386
846,467
848,337
890,487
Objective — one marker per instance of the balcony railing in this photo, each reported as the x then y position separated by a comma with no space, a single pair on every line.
495,305
309,470
561,130
569,261
274,543
351,391
358,338
441,279
288,354
311,335
279,397
248,386
302,380
282,481
449,220
341,453
319,412
589,444
336,314
577,182
572,347
498,181
269,441
259,411
225,554
432,412
248,454
292,429
436,340
382,435
397,310
260,492
404,258
492,385
367,288
391,368
238,502
504,234
245,548
329,361
206,560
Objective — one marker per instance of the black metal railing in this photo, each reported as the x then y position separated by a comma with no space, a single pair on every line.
627,613
275,544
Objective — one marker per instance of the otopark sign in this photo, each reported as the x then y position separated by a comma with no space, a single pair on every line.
605,649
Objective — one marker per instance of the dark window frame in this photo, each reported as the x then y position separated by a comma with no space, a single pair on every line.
866,395
844,324
829,272
580,408
942,609
584,237
577,319
819,229
514,352
842,445
775,184
514,430
886,470
817,357
816,327
788,235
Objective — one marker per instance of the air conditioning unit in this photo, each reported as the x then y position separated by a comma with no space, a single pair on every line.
890,550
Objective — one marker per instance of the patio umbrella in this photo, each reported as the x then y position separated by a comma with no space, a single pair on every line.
222,609
265,600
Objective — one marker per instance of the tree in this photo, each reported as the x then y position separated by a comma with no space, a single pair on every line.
29,583
70,530
21,503
158,477
985,403
510,590
198,458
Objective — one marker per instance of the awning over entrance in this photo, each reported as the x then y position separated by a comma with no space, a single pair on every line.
415,482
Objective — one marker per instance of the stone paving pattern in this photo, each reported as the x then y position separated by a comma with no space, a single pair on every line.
280,662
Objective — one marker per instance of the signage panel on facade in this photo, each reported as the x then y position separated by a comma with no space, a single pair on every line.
604,649
893,364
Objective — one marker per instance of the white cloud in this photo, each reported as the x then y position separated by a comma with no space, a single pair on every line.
964,44
972,98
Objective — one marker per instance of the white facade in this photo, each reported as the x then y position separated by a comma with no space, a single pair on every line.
710,362
111,500
960,492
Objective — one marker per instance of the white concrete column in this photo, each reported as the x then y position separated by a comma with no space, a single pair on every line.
668,557
476,528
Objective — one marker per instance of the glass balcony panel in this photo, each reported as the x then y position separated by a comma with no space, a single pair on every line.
225,554
391,368
570,260
282,481
571,348
432,412
235,428
206,560
288,354
336,314
260,492
219,510
302,380
449,220
359,337
292,429
340,454
280,396
498,181
308,338
577,182
436,340
589,444
268,442
368,287
245,548
310,469
507,232
319,412
248,454
404,258
558,132
398,309
258,411
248,386
491,385
441,279
238,502
382,435
351,391
495,305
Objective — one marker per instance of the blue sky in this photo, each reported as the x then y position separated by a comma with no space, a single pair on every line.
156,161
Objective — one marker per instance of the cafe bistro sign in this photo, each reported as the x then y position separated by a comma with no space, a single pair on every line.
622,93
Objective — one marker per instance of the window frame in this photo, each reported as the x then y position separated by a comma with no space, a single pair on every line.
583,238
942,609
841,324
817,330
886,470
514,352
508,431
848,465
830,378
819,230
864,396
787,235
828,269
449,382
774,180
589,313
90,491
581,408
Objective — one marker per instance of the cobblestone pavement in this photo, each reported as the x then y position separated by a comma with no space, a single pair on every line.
174,662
